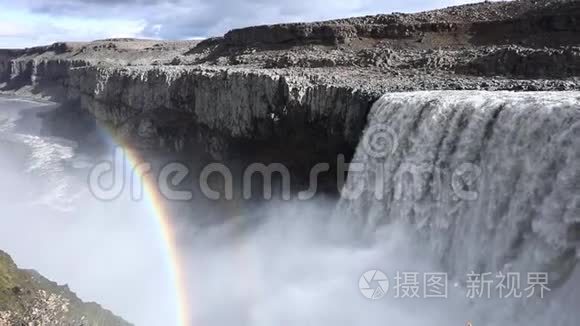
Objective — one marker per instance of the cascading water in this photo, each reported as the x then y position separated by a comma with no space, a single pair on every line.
489,180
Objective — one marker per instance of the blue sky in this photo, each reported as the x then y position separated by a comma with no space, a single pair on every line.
35,22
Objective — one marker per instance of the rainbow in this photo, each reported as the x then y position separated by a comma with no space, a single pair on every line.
154,199
169,238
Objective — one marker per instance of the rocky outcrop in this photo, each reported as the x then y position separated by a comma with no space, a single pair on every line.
27,298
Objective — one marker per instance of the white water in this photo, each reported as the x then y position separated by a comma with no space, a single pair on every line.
297,263
489,182
489,178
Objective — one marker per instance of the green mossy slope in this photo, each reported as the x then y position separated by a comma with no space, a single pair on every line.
27,298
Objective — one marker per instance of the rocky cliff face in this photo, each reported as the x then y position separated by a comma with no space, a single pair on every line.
27,298
5,57
232,104
6,63
282,86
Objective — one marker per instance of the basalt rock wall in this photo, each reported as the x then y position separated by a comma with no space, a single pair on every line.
229,114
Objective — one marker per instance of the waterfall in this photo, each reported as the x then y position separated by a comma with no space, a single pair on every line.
489,180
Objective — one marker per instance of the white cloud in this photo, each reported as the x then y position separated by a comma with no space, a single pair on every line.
42,21
14,29
22,29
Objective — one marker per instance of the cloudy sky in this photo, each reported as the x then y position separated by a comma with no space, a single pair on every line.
34,22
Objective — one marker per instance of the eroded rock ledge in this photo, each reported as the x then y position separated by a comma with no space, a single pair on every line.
299,93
